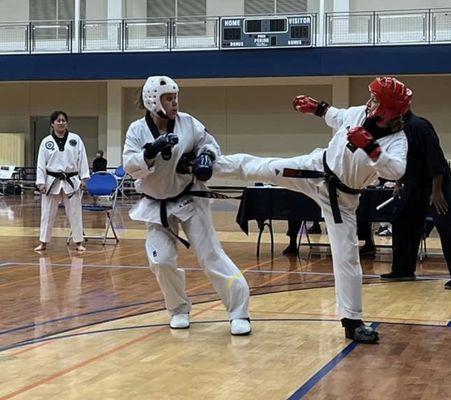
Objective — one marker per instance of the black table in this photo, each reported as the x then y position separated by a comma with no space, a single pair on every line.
267,203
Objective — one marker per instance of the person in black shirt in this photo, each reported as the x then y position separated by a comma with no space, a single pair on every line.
99,163
294,226
426,182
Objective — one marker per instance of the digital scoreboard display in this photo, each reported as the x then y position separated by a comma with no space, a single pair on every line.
266,31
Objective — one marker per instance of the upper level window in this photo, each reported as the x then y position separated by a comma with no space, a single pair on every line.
52,10
274,6
180,9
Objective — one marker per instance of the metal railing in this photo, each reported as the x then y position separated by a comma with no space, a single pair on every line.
149,34
36,37
428,26
388,27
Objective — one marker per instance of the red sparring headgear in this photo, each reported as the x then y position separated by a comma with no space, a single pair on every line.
394,98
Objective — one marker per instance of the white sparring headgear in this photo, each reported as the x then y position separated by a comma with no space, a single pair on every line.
154,88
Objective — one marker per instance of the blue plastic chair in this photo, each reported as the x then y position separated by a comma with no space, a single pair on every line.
102,184
120,175
120,172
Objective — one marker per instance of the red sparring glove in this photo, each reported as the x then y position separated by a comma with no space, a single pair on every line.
307,105
361,138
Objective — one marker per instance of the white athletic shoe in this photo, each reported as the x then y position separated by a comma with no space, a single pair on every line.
240,327
179,321
41,247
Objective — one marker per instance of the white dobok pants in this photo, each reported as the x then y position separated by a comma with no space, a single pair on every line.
227,279
342,237
49,209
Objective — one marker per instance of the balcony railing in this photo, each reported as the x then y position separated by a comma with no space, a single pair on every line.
431,26
388,28
36,37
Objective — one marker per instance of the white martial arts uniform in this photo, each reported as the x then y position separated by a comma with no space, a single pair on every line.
72,159
193,214
356,170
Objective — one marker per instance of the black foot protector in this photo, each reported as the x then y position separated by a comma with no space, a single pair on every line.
356,330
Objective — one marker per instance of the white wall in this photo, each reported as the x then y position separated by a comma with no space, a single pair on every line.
244,116
21,101
254,119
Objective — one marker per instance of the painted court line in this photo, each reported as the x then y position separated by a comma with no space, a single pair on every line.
88,361
136,311
61,335
258,271
307,386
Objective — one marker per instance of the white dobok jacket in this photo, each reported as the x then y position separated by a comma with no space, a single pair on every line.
357,170
161,181
72,159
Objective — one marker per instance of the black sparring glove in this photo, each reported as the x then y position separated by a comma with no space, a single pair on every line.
185,164
162,144
203,166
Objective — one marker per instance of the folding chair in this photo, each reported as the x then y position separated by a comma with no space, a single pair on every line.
120,175
428,227
102,185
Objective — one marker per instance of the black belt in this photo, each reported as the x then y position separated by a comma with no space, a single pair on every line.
332,181
186,192
61,176
334,184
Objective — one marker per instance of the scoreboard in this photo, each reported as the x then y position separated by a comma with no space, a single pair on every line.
266,31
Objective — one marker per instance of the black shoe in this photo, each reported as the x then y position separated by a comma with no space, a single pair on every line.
384,230
367,251
314,229
448,285
396,276
291,250
356,330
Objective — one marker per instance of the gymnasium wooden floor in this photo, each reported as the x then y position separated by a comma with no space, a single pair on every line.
94,326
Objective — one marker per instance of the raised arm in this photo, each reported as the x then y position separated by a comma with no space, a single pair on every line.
136,165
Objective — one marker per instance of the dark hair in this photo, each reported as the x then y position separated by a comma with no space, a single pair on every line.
139,99
100,152
55,114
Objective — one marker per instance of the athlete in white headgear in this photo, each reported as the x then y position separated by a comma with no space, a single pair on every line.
152,91
171,154
368,143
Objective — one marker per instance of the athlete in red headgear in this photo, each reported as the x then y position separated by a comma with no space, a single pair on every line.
368,144
391,99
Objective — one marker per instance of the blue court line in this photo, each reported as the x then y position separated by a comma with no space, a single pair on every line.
51,337
307,386
51,321
301,273
68,317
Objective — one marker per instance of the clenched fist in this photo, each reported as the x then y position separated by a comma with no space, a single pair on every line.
308,105
361,138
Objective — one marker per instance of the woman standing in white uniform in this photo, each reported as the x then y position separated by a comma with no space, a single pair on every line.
368,143
170,153
61,174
